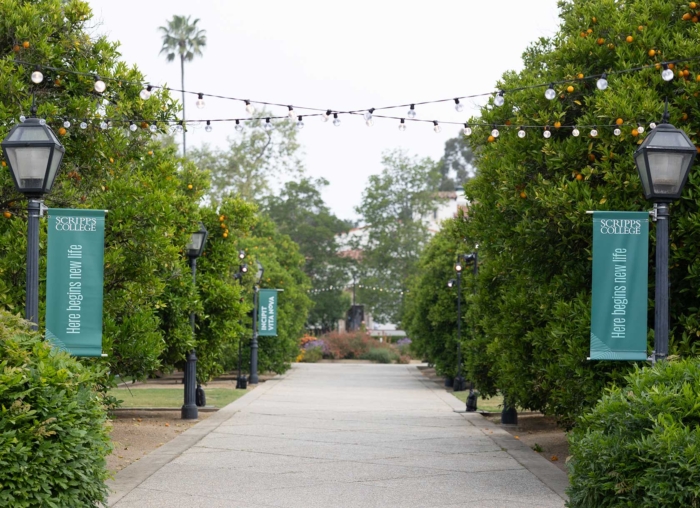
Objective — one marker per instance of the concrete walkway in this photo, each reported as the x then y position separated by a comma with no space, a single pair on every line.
342,435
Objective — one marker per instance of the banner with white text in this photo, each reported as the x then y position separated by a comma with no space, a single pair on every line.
267,312
620,286
74,280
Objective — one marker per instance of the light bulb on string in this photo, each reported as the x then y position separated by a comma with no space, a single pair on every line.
238,127
66,124
37,77
499,100
300,123
22,118
436,126
268,124
145,94
521,133
83,125
458,106
325,116
103,125
602,82
200,101
575,132
617,131
652,125
132,126
467,131
153,127
402,128
594,132
547,133
369,120
99,85
495,132
666,73
336,120
550,93
640,128
43,122
411,112
290,112
178,127
249,108
208,128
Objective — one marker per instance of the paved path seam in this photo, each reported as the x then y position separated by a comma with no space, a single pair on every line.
135,474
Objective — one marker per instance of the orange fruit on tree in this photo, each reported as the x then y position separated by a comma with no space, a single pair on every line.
5,163
150,152
225,235
111,160
7,214
684,116
222,218
692,5
686,16
223,226
611,46
629,38
652,52
591,157
25,44
594,19
589,31
600,41
580,76
583,34
686,73
15,48
671,66
570,89
189,186
695,19
491,139
635,132
619,121
144,125
523,195
579,177
557,125
508,122
697,78
62,131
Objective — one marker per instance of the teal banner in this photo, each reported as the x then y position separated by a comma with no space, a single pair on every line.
267,312
620,284
74,280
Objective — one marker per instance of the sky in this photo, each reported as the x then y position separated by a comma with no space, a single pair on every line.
338,56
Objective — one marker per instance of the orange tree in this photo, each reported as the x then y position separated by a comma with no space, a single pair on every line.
530,196
151,195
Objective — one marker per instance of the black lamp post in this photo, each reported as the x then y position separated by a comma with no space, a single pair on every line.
241,381
34,156
254,343
472,258
663,161
459,383
194,249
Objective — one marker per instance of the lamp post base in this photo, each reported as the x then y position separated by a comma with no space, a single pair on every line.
509,415
459,384
189,408
471,402
241,383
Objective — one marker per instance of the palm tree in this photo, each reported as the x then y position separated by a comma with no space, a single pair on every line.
182,38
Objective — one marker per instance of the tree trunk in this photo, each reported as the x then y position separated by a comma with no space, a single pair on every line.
182,82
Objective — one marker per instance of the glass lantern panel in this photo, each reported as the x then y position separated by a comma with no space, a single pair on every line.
29,164
672,139
55,164
195,242
30,133
667,171
640,159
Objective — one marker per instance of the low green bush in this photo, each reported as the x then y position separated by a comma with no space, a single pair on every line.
53,424
312,355
381,355
640,445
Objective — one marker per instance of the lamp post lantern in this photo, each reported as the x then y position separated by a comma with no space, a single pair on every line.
34,156
663,161
254,342
194,249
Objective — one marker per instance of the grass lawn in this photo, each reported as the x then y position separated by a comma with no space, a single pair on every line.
494,404
172,397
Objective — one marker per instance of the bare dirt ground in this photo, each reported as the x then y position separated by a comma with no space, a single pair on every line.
137,433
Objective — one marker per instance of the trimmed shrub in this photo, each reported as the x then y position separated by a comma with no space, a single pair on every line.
312,355
381,355
53,425
640,445
348,346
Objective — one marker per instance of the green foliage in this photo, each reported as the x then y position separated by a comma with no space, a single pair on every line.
530,196
53,426
300,212
312,355
393,206
252,160
381,355
639,446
